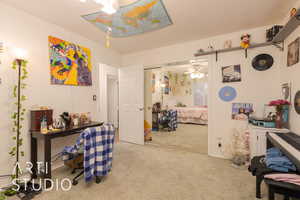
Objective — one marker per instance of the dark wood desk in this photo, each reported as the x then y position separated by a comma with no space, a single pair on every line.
35,135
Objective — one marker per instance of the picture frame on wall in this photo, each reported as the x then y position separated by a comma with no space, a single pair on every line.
286,90
293,52
241,111
231,74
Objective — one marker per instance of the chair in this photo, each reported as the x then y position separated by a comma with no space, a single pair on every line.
86,155
76,163
168,120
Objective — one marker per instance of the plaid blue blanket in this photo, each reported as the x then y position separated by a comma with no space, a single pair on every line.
98,150
173,124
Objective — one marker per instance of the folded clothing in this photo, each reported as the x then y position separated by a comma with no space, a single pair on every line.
288,178
277,161
274,152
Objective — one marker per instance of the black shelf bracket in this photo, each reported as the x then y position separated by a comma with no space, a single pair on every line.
246,53
280,46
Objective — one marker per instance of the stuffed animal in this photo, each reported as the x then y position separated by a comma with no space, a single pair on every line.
245,43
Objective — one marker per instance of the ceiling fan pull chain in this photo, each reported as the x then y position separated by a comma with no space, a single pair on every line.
108,37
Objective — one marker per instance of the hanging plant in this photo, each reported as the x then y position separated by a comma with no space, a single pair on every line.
18,116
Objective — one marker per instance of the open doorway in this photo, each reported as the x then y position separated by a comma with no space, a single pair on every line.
112,100
180,88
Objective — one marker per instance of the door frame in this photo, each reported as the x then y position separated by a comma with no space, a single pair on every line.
210,92
115,80
104,72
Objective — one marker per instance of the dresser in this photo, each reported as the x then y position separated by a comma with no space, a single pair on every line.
258,139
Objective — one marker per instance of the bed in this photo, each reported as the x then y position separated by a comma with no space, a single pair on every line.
193,115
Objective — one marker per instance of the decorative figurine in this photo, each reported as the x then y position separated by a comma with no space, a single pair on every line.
245,41
293,12
66,119
227,44
200,51
210,47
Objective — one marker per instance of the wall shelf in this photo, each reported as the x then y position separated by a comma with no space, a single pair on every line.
290,26
239,48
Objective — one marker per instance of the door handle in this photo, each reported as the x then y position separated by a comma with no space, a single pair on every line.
141,109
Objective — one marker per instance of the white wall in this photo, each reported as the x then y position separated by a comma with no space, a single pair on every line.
22,30
256,87
184,94
291,74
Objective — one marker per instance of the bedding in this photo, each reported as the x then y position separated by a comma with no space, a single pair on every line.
195,115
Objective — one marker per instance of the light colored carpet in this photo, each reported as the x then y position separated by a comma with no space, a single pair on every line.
187,137
154,173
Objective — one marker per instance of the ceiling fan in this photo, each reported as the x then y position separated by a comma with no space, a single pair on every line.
195,72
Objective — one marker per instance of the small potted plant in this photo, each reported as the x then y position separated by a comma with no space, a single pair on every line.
282,109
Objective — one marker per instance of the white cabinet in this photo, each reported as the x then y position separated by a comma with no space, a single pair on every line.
258,139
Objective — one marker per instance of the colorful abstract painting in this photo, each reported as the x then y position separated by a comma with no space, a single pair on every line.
136,18
70,64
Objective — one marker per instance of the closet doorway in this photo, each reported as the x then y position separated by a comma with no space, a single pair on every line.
177,89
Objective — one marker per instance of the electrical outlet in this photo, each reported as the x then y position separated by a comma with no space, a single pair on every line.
219,144
94,98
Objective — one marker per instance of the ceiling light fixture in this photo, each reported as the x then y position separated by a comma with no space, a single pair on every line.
197,75
108,6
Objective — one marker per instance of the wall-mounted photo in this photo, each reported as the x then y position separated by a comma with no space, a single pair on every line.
166,85
286,91
241,111
293,53
231,74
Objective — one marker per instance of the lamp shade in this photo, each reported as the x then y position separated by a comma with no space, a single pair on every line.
20,53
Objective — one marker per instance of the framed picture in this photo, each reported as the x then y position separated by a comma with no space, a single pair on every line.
70,64
166,85
241,111
286,91
153,82
231,74
293,53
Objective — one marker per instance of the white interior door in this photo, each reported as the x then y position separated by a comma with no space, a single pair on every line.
131,104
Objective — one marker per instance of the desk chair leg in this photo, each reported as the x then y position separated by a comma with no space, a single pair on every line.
98,179
75,181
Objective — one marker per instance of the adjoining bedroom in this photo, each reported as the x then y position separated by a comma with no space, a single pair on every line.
176,106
